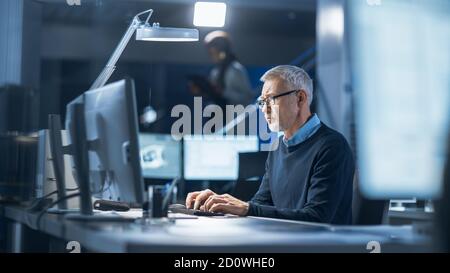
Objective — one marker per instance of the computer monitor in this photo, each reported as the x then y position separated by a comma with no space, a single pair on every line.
160,156
214,157
111,132
111,122
400,77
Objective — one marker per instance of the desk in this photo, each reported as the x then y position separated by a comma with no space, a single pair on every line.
204,234
401,216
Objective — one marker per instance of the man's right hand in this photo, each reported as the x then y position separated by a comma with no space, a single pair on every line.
197,198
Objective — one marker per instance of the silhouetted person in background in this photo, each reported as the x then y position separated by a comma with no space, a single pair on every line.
228,82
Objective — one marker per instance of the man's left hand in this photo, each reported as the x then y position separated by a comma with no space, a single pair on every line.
225,203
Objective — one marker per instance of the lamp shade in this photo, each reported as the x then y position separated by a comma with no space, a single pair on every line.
167,34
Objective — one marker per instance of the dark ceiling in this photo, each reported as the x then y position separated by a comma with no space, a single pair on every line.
255,17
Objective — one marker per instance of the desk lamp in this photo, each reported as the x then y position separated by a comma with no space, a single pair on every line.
144,32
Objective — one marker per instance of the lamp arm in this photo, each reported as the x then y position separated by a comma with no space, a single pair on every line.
111,65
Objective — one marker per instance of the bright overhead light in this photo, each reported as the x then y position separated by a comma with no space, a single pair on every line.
209,14
334,15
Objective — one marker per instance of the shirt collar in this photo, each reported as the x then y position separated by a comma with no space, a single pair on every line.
304,132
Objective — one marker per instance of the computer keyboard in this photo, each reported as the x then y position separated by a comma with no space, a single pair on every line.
179,208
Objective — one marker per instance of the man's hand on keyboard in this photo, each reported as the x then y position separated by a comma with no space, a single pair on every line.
225,203
208,200
196,199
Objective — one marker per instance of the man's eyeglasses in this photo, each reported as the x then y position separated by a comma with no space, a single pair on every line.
270,101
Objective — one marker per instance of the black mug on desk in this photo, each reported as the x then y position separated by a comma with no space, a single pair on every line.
154,207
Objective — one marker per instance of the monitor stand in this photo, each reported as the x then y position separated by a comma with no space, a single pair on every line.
109,216
57,151
61,211
146,221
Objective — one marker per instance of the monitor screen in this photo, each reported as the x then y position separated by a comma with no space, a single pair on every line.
401,80
160,156
211,157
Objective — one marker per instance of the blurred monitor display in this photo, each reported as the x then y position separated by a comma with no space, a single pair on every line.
215,157
160,156
400,69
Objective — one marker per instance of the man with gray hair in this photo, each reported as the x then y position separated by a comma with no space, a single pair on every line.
309,176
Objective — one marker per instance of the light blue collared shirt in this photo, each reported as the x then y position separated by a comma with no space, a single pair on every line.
303,133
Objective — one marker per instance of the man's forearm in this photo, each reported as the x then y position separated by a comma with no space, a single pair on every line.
259,210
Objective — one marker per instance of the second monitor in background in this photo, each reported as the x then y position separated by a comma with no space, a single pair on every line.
160,156
212,157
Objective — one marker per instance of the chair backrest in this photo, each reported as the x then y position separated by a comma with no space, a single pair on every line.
367,211
252,167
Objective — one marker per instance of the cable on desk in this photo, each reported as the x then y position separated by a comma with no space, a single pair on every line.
55,192
38,220
36,203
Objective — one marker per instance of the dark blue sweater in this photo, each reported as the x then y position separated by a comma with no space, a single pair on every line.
311,181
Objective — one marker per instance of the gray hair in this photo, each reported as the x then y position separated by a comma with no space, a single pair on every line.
293,76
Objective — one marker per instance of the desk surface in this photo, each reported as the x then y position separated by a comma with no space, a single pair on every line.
411,213
211,234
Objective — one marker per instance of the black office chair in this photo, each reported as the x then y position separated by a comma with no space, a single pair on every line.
367,211
252,167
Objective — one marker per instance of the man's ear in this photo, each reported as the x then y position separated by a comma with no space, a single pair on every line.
302,97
